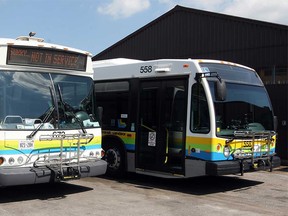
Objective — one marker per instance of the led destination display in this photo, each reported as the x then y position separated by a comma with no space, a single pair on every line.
43,57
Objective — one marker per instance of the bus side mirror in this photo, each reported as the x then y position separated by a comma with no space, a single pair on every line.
220,90
100,114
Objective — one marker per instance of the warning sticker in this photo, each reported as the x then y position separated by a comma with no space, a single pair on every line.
152,139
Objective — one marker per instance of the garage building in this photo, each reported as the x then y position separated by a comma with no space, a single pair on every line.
189,33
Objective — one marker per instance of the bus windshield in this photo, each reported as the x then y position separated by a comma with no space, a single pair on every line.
246,107
28,100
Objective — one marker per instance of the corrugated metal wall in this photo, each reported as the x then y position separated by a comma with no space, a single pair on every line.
190,33
280,106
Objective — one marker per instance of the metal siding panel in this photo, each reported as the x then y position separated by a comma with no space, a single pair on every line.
280,106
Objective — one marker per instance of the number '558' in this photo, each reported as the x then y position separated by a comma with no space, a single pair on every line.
146,69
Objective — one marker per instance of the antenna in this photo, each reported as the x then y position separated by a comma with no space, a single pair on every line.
31,34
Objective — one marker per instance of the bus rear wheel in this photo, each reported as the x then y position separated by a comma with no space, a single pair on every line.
114,157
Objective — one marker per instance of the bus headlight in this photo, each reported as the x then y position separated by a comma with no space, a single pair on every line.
11,160
226,151
97,153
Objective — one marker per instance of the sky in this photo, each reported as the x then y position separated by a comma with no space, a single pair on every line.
95,25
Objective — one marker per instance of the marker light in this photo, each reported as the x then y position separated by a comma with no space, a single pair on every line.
102,153
272,143
162,70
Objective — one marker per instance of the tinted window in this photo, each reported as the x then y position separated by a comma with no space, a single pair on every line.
200,118
232,73
113,97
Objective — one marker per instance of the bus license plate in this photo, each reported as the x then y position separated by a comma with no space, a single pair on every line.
26,144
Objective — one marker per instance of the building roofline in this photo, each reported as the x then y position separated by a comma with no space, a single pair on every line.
179,8
230,17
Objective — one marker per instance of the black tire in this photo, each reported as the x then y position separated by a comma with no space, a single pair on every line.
115,157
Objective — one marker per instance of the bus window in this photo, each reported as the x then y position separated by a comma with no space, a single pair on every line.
113,97
200,118
75,100
25,95
177,114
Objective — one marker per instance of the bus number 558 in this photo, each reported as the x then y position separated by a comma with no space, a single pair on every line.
146,69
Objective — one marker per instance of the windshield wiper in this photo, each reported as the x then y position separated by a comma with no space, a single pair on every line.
46,117
70,109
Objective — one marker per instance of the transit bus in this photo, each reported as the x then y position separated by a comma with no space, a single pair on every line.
49,128
184,118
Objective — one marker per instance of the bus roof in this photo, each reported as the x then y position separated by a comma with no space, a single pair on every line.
115,61
37,42
127,68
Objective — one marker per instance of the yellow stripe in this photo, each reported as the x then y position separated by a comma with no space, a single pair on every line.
202,140
46,144
210,144
121,134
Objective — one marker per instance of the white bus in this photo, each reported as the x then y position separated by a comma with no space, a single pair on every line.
48,124
184,118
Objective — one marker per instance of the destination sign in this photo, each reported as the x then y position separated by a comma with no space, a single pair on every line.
43,57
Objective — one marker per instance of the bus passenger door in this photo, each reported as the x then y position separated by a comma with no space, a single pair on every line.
161,129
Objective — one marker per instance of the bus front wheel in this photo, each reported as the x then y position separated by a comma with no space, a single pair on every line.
114,156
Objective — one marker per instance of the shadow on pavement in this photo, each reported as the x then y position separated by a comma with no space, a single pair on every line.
196,186
39,191
282,168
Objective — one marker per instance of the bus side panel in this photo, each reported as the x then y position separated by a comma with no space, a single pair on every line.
128,138
131,162
198,147
210,149
194,168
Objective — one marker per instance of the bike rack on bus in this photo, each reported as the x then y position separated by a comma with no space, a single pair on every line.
258,151
74,141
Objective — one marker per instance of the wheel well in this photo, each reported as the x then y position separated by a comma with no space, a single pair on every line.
114,140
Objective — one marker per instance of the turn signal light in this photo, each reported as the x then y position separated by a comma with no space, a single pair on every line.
102,153
1,160
219,147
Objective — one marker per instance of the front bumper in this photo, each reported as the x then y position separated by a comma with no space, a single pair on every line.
36,175
237,166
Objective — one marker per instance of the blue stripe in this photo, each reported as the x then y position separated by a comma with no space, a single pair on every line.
130,147
47,150
216,156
